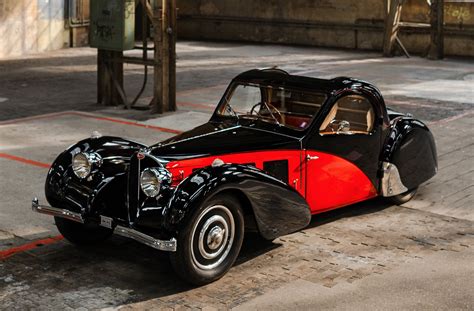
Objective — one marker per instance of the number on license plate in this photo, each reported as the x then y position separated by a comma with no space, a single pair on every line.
106,222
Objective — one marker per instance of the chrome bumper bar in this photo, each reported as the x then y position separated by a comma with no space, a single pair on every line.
169,245
48,210
163,245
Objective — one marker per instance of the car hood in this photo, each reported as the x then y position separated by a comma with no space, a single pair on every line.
222,138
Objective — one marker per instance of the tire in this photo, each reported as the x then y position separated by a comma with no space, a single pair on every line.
210,243
404,197
82,234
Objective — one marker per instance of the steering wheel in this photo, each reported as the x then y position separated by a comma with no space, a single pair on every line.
272,108
340,127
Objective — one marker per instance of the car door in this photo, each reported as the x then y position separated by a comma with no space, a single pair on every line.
342,154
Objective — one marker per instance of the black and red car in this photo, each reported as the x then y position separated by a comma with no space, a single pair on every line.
278,149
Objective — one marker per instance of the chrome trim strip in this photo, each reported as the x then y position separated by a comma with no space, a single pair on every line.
58,212
164,245
391,181
169,246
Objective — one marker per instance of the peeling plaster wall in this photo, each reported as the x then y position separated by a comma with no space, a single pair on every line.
329,23
31,26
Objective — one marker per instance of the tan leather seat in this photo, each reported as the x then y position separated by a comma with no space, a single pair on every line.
332,114
370,119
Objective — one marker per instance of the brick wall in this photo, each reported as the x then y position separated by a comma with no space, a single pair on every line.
329,23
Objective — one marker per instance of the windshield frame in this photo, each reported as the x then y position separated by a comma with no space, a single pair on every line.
219,112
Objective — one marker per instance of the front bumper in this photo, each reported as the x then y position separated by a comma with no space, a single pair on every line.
163,245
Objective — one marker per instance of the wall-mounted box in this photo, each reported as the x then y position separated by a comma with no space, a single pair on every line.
112,25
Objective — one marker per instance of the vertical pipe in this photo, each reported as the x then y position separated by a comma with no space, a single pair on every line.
165,56
158,72
437,32
172,66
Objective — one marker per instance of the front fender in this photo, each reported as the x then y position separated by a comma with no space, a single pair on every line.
107,183
278,208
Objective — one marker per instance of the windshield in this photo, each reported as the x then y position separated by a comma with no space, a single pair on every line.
287,107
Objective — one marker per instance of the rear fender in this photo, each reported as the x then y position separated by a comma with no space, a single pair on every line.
278,208
409,156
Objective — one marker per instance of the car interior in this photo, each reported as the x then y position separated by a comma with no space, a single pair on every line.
351,114
295,108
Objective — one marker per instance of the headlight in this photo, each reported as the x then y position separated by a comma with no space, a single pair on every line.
152,179
82,163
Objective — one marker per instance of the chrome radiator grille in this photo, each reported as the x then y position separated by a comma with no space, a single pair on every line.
135,195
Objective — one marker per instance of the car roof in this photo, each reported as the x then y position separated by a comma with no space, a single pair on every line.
275,76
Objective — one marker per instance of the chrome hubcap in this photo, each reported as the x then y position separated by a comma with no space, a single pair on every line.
215,237
212,237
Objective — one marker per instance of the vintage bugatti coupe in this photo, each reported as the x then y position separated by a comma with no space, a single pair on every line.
278,149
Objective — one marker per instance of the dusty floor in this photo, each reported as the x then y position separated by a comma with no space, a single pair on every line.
366,256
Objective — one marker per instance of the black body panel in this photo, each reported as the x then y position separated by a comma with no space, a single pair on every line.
278,169
411,147
105,192
224,138
278,208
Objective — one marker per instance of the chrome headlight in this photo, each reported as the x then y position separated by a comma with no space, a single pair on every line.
152,179
83,162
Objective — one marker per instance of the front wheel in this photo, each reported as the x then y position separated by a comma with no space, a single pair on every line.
404,197
210,243
81,234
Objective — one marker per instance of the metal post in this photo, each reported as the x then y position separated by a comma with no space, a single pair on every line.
165,54
109,78
157,106
165,58
437,36
172,53
110,64
392,26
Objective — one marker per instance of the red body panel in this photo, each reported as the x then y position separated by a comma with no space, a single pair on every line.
182,169
333,182
327,182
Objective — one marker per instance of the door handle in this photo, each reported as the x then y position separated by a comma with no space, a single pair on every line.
310,158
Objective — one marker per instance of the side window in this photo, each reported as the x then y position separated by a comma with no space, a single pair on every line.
352,114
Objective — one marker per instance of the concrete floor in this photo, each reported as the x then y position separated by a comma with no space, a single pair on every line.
370,255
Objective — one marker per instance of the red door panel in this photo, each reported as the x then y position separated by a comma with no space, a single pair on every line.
333,182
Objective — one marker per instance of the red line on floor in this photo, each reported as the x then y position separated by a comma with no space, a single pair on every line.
453,118
197,105
91,116
26,247
206,106
23,160
158,128
202,89
405,103
43,116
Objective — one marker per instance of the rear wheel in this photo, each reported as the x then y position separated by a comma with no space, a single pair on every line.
210,243
404,197
82,234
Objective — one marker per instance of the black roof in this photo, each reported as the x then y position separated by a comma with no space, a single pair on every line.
273,76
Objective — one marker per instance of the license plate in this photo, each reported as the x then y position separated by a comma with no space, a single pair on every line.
106,222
